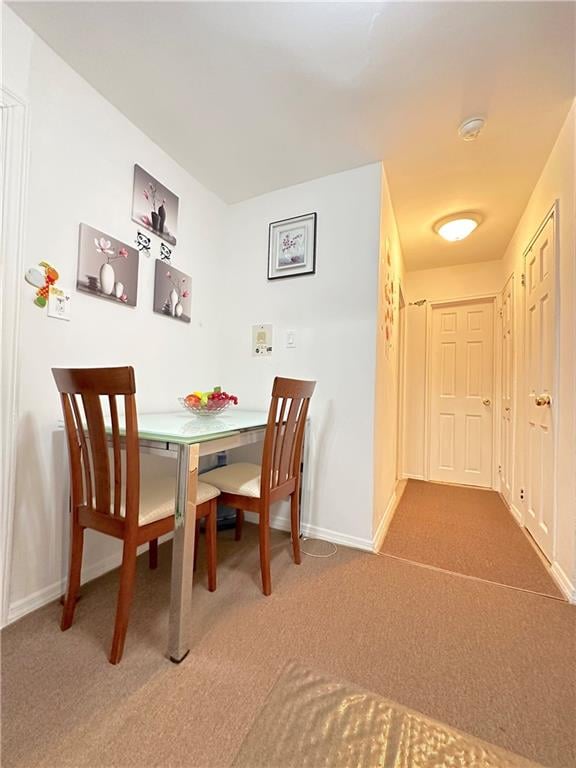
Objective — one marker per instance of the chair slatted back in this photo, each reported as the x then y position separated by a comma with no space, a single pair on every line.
82,391
283,441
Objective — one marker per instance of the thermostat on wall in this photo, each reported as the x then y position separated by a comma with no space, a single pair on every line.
262,340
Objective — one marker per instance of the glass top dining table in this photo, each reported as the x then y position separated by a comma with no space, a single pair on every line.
187,427
187,436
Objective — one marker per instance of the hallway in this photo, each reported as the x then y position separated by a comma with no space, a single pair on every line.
466,531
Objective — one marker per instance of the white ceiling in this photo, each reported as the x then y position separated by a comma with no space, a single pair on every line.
251,97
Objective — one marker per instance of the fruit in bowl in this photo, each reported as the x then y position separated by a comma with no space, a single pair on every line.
205,403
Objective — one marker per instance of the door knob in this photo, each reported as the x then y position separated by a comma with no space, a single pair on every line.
487,401
543,399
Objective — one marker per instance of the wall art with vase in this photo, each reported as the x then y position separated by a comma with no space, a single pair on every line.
172,292
107,267
154,206
292,247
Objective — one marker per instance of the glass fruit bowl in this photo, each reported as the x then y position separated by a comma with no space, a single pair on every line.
208,403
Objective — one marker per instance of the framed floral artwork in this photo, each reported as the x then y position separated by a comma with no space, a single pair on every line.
107,267
172,292
292,247
154,206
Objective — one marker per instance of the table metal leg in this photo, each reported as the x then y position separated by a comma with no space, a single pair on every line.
180,625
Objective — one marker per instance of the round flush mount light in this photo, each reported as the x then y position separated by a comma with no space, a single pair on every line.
470,129
458,226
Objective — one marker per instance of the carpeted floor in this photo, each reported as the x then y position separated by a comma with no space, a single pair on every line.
494,662
467,531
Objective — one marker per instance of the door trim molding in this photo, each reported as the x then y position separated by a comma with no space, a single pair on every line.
430,306
14,192
513,388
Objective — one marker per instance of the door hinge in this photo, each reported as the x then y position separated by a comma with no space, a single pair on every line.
521,494
523,279
499,469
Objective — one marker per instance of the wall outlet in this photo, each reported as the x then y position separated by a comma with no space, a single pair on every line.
290,339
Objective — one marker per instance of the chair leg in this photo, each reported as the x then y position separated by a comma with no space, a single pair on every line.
239,524
74,573
125,594
294,515
153,554
264,532
196,540
211,523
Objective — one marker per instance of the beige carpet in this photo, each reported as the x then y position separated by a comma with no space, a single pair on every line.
312,721
467,531
493,662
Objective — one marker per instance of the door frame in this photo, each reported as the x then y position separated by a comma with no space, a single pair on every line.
401,384
496,395
514,389
553,214
13,194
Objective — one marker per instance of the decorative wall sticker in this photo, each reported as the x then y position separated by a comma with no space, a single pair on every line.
59,301
41,279
389,302
154,206
165,253
107,267
262,340
143,243
172,292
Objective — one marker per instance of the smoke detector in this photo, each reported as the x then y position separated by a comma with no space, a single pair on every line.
470,129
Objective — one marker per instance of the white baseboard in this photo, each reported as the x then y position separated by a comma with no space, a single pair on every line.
282,523
409,476
517,514
20,608
513,509
563,582
384,523
343,539
46,595
568,589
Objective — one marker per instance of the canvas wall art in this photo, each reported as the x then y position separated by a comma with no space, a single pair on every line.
292,247
172,292
107,267
154,206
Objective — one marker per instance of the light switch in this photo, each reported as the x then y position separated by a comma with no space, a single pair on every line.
290,339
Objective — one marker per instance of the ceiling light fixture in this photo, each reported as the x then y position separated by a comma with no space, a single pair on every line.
470,129
458,226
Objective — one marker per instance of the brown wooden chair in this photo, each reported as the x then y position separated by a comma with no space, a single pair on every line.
116,505
253,487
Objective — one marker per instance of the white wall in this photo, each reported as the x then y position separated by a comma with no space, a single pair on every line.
334,316
386,437
82,152
557,182
443,283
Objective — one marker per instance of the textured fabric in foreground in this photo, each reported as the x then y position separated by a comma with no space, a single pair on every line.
309,721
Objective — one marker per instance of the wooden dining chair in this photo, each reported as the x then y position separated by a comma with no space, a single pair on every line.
116,503
254,487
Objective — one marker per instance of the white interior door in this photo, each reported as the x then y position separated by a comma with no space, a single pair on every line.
461,392
540,359
507,389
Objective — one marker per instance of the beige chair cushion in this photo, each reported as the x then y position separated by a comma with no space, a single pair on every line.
157,488
242,479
